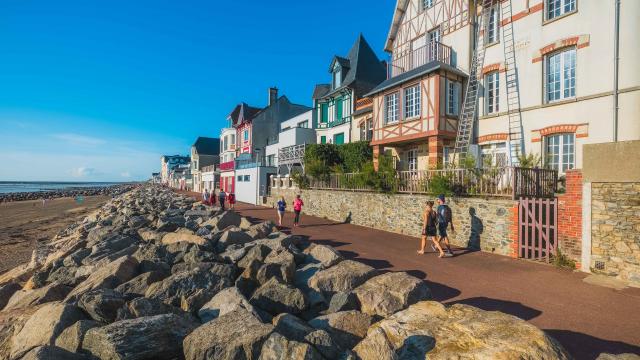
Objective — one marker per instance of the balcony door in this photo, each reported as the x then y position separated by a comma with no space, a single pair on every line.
418,52
433,39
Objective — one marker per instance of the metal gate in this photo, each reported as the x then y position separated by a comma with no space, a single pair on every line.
538,231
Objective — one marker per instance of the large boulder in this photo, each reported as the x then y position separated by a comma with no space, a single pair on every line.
102,304
346,328
152,337
224,302
430,330
296,329
44,327
51,353
260,230
626,356
108,247
343,301
6,292
224,220
142,307
138,285
276,297
325,255
107,277
170,223
256,253
343,277
233,236
278,347
183,235
280,264
186,284
71,338
389,293
48,293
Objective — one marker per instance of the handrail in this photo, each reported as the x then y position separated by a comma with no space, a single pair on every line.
432,51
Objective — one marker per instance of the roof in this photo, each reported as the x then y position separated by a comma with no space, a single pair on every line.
207,146
321,90
398,14
344,62
412,74
281,110
242,113
365,70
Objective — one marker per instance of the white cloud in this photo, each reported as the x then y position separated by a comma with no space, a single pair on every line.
82,172
125,174
78,139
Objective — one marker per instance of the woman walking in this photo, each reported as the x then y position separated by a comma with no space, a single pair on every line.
232,200
429,228
205,197
282,206
297,208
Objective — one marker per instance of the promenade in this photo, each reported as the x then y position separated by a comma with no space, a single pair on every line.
587,319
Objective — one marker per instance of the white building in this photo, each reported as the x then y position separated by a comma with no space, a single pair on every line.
227,157
299,130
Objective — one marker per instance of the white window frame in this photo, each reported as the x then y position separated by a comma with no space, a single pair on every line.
452,103
412,159
494,151
492,27
560,75
554,9
492,92
392,116
446,159
337,76
427,4
565,146
412,102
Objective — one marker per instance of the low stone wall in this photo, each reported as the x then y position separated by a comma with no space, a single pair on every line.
615,235
485,224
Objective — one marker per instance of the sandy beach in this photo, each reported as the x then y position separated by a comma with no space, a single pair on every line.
24,223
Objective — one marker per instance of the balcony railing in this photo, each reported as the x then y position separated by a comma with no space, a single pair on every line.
227,166
209,168
344,120
433,51
291,154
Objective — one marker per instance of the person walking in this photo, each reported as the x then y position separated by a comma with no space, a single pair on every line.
445,217
297,209
222,196
205,196
282,206
429,228
232,201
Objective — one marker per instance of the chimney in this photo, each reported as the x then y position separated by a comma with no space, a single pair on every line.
273,95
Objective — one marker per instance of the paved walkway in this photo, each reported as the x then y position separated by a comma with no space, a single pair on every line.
586,319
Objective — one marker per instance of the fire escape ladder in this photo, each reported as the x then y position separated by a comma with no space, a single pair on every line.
513,86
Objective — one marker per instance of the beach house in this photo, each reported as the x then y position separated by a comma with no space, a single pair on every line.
351,78
168,163
227,159
205,152
286,149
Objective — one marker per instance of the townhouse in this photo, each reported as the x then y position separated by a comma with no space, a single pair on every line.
227,159
351,78
294,135
205,154
168,163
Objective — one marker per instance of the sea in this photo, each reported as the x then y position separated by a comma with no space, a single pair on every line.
36,186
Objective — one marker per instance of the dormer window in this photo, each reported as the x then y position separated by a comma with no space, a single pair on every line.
337,76
427,3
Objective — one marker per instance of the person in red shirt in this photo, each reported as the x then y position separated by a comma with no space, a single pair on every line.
297,208
232,200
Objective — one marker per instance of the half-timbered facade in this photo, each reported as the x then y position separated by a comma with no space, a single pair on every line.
415,111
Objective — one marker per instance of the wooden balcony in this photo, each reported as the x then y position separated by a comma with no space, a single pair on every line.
434,51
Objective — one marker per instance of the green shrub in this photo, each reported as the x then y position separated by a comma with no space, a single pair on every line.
529,161
300,179
354,156
440,184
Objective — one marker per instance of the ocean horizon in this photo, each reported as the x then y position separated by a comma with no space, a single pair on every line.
42,186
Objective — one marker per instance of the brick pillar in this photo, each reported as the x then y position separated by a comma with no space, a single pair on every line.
377,150
435,151
513,229
570,217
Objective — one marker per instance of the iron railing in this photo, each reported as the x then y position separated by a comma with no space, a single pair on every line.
291,154
432,51
510,182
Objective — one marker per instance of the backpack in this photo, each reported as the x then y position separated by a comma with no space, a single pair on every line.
448,215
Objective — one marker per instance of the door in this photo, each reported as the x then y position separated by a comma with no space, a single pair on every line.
433,42
537,230
338,139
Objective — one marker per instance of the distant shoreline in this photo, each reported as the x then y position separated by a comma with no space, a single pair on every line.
92,189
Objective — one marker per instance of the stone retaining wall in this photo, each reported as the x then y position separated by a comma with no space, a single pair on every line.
486,224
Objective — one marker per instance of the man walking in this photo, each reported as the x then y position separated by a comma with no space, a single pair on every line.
445,218
222,196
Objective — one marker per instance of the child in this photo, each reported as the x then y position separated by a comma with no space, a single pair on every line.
297,208
282,206
232,200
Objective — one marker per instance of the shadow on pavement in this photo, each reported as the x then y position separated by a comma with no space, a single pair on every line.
583,346
509,307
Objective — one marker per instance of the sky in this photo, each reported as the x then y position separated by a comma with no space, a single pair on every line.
98,90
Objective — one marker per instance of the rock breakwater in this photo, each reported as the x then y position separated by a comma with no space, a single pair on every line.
156,275
112,190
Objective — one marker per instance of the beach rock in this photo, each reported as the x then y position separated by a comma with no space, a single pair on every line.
66,276
343,301
138,285
389,293
198,213
235,335
10,323
185,284
150,235
75,259
376,346
44,327
108,247
224,302
232,254
107,277
26,298
51,353
71,338
343,277
322,254
183,235
142,307
429,329
260,230
276,297
152,337
346,328
258,252
137,222
280,264
6,292
245,224
296,329
196,255
224,220
153,252
234,236
278,347
102,304
170,223
627,356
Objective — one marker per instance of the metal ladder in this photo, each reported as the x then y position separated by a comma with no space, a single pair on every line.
513,94
470,104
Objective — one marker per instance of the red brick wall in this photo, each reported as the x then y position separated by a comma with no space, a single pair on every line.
570,217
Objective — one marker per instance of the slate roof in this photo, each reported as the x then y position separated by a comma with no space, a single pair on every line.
321,90
243,112
364,71
419,71
207,146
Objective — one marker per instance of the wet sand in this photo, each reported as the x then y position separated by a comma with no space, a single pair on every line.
24,223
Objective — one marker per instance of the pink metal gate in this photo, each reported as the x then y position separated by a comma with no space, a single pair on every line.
538,231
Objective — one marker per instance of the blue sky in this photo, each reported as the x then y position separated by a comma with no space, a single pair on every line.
98,90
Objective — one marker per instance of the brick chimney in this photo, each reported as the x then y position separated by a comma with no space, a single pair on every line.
273,95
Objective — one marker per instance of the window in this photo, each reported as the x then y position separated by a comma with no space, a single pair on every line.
370,129
560,79
391,108
491,33
557,8
247,178
492,92
427,3
560,152
446,158
412,160
366,130
323,139
337,76
271,160
412,102
233,139
324,112
245,135
453,97
338,139
494,154
303,124
239,178
433,38
338,109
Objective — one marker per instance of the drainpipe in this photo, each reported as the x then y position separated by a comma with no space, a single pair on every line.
616,70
